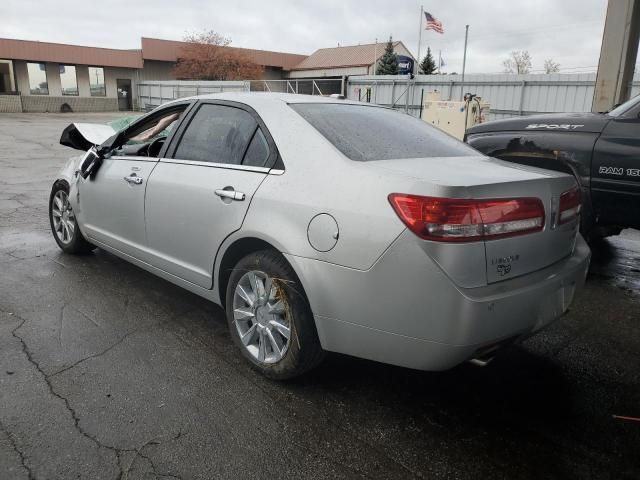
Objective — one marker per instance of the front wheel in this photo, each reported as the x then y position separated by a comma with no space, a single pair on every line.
64,225
269,316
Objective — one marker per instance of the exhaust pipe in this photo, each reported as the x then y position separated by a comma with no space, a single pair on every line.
484,355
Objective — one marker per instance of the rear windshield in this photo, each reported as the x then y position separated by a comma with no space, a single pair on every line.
366,133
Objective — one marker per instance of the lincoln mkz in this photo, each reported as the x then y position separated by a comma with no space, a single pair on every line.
321,224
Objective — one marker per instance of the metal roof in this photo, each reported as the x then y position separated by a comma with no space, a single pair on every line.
73,54
348,56
169,51
152,49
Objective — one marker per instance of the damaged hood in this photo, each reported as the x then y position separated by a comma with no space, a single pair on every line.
83,136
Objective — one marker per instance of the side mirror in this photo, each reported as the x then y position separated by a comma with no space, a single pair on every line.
90,163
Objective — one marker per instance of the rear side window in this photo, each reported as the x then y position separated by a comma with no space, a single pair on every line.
258,151
365,133
217,134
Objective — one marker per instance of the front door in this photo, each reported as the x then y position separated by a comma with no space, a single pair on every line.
112,203
124,94
200,193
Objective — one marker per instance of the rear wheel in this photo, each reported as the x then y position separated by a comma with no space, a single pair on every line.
269,316
63,222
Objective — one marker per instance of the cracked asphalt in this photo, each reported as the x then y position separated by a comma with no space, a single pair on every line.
107,372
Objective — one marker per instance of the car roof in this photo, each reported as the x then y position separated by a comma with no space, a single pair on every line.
250,98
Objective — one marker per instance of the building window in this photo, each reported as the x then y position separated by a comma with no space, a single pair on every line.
68,80
38,79
96,82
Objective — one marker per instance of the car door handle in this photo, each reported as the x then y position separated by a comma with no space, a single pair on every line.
133,179
232,194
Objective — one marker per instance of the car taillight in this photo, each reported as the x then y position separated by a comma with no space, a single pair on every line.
464,220
570,205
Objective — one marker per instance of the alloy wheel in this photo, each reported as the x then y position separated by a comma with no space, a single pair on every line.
262,316
64,220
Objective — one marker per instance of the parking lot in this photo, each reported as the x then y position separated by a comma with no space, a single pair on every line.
107,371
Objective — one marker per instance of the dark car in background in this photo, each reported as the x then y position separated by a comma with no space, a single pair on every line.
601,150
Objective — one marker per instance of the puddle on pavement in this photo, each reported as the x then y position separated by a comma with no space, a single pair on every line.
616,260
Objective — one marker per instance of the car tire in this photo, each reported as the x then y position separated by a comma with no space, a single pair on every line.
273,329
64,225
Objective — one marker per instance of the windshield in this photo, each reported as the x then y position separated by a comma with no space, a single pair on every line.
625,107
367,133
122,123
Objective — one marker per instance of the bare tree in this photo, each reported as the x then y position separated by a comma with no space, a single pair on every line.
519,62
207,56
550,66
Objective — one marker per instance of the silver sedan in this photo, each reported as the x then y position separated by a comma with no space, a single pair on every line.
326,225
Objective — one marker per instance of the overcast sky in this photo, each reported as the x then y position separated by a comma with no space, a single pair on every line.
569,31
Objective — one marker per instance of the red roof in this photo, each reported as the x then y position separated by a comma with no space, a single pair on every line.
73,54
152,49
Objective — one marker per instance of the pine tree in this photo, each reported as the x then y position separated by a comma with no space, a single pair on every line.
388,64
428,64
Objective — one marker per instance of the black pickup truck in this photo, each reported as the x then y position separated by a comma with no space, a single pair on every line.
602,151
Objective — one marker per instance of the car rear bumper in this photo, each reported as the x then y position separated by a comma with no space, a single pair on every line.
406,311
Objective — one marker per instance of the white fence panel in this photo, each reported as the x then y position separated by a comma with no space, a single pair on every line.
509,95
152,94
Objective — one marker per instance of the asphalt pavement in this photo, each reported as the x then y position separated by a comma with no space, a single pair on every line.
107,372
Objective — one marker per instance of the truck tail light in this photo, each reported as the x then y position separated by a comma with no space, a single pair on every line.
465,220
570,205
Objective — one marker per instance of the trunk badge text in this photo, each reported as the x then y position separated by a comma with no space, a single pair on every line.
503,264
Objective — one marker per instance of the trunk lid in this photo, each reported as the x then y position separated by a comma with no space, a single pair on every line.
488,178
513,256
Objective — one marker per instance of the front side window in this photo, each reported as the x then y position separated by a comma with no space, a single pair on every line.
217,134
38,79
367,133
68,80
147,136
96,82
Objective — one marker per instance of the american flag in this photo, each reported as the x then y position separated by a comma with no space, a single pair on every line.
433,23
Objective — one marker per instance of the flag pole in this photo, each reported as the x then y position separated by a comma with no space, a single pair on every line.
464,62
417,62
375,57
439,61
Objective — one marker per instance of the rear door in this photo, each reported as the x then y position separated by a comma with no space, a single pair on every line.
615,181
200,192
